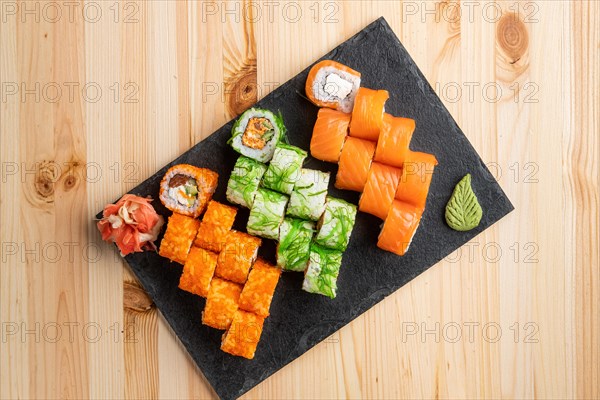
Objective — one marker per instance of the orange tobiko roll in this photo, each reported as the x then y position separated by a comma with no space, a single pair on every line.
355,162
380,189
399,227
243,334
258,291
221,303
394,138
198,271
329,134
416,178
367,114
181,231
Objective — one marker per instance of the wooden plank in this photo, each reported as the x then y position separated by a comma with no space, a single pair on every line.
581,154
189,67
103,41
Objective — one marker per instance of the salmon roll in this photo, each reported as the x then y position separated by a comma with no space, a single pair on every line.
284,170
355,162
221,303
238,255
367,114
186,189
244,181
380,189
219,214
258,291
336,224
295,236
256,133
322,272
308,198
267,214
399,227
329,134
333,85
198,271
416,178
243,335
180,233
211,237
395,136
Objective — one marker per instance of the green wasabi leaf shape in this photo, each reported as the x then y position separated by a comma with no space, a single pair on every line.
463,211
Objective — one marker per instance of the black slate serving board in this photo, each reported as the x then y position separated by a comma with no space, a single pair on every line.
300,320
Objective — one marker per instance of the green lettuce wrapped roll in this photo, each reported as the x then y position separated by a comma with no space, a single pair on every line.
256,133
322,272
308,197
244,180
293,249
336,223
284,169
266,214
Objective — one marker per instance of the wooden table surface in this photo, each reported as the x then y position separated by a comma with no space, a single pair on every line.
98,95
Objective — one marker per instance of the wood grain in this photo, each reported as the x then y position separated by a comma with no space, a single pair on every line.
513,314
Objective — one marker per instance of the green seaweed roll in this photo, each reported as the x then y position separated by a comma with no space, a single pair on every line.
307,200
244,180
284,169
267,214
293,249
336,223
322,272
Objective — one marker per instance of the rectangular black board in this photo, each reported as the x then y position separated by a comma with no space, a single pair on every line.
300,320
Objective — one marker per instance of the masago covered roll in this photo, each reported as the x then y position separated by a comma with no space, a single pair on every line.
181,231
295,236
266,214
215,226
307,200
322,272
336,224
284,169
243,334
221,303
239,253
244,180
256,133
186,189
198,271
258,291
334,85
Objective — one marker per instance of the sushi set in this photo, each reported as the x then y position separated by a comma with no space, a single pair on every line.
310,207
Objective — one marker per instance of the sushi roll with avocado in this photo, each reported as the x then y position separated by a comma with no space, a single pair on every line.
295,236
336,223
266,214
284,169
244,180
186,189
322,272
307,200
256,133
